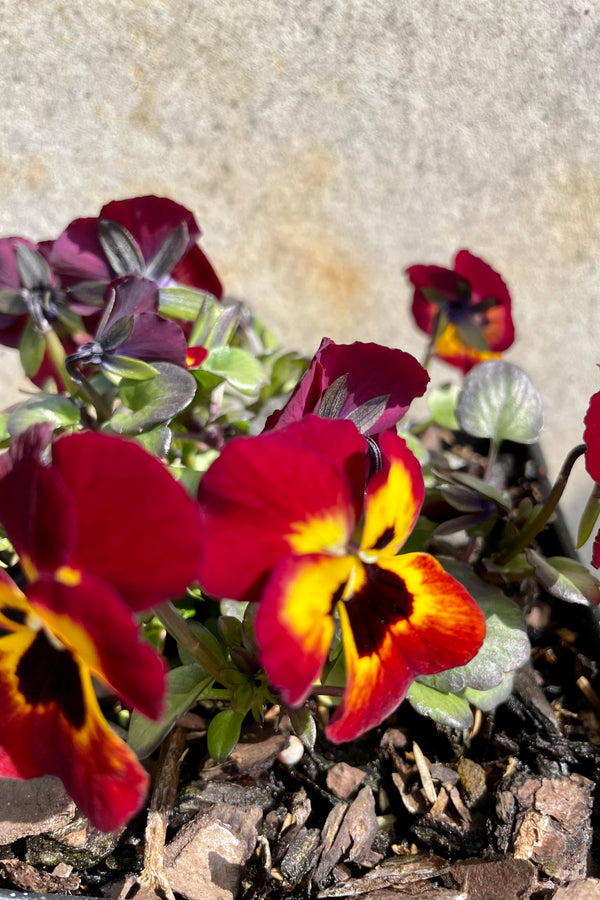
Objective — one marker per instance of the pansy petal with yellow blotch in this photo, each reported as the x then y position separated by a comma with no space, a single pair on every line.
294,623
393,500
52,725
76,608
280,493
450,347
407,618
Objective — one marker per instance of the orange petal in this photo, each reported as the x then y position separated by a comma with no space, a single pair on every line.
409,618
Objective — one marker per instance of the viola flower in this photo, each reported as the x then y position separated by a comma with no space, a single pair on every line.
466,310
287,522
131,327
102,532
149,236
28,289
367,383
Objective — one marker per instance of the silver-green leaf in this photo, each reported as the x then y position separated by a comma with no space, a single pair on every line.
499,401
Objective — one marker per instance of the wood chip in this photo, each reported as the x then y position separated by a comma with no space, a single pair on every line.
503,879
394,873
28,878
588,889
343,780
205,860
38,806
555,830
423,766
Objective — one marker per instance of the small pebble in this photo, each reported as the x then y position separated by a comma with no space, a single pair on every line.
293,753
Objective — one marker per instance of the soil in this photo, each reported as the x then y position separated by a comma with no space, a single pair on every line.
413,810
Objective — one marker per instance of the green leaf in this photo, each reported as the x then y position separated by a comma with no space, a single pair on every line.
224,733
182,303
189,478
4,435
505,646
490,699
230,629
481,487
184,685
499,401
157,441
242,370
59,411
589,518
442,405
31,349
566,579
208,640
155,401
443,708
126,367
304,726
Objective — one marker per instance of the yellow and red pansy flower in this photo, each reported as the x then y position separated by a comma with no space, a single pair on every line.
466,310
102,531
288,521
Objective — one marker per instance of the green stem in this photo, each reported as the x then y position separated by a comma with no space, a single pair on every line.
491,460
542,517
183,634
56,352
429,352
100,404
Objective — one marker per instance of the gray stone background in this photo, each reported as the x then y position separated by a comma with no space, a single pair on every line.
324,147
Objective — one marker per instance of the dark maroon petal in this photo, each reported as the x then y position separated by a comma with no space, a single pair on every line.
485,283
137,528
304,398
150,220
155,339
36,507
77,254
431,281
591,436
9,273
371,371
195,270
11,327
133,294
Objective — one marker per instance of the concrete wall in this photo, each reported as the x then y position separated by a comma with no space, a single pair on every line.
325,146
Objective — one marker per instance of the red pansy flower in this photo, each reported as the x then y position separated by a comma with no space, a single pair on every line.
465,309
149,236
287,521
367,383
102,532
